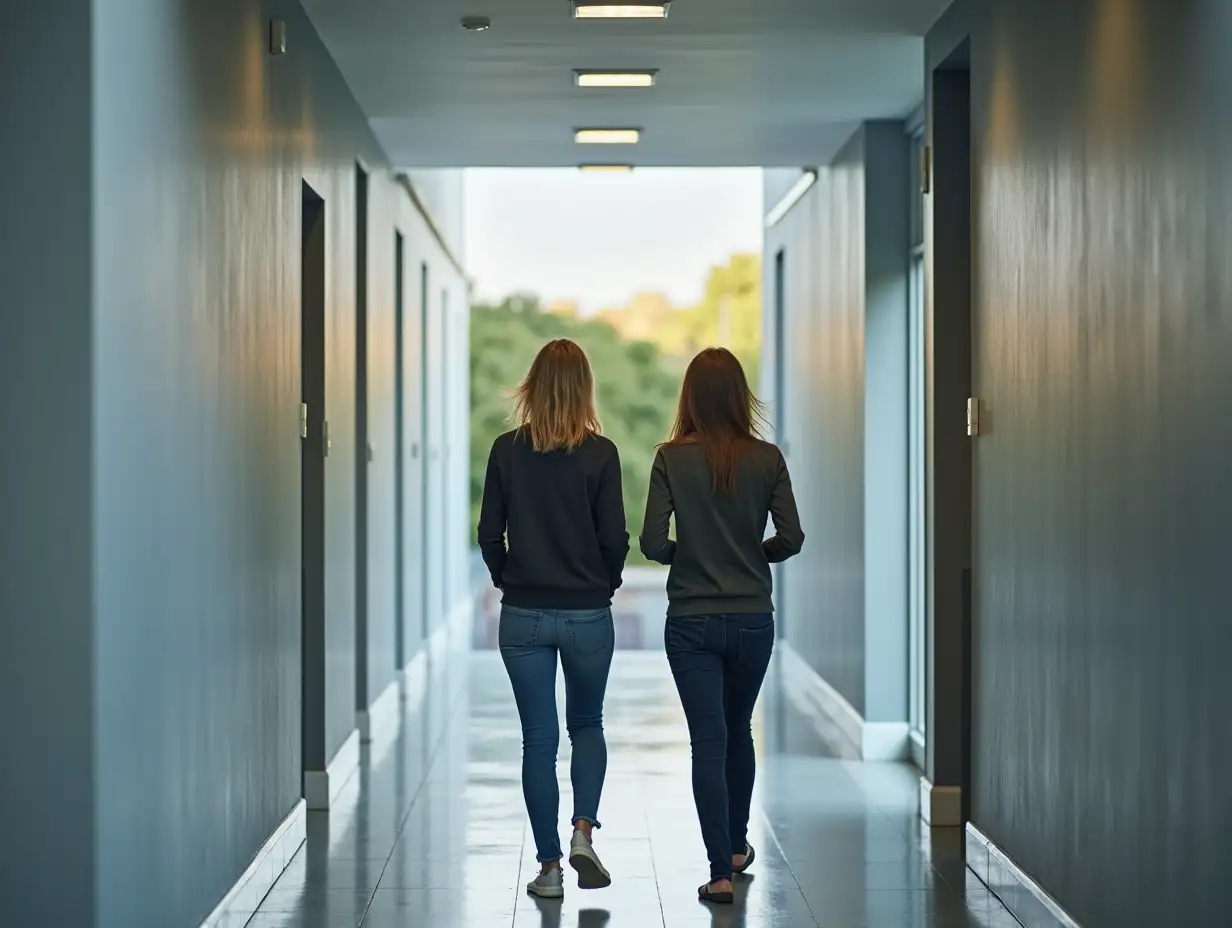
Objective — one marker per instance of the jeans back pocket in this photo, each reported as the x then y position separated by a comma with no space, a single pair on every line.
519,628
591,632
682,634
756,646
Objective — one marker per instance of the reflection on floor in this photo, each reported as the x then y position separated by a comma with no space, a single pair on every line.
838,843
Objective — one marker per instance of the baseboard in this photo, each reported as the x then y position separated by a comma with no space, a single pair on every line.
322,786
255,882
918,749
408,686
413,683
381,716
834,716
940,806
887,741
1027,900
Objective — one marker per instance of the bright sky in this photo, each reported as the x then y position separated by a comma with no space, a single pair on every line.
599,239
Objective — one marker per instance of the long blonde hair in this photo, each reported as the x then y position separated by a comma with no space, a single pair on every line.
556,401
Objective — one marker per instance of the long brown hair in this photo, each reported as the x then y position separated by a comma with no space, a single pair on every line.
556,401
718,411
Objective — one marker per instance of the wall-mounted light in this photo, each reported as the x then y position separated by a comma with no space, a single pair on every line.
614,78
607,136
278,37
476,23
792,197
588,9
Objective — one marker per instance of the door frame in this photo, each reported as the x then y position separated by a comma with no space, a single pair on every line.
363,441
948,336
428,455
780,412
315,447
401,655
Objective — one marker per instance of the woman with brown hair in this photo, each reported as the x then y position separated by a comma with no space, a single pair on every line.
722,483
552,533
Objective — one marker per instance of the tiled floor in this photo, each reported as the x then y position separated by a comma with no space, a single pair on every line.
838,843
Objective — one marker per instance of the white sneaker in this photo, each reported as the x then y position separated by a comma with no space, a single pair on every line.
582,858
550,885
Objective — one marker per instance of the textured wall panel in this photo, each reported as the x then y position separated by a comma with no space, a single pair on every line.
202,141
1103,328
823,239
46,677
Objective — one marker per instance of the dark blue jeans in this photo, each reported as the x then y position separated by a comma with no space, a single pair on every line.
529,640
719,662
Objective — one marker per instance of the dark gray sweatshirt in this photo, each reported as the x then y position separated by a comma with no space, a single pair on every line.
720,563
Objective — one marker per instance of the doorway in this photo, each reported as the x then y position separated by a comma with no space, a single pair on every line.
443,565
363,446
780,405
948,330
314,434
401,655
426,462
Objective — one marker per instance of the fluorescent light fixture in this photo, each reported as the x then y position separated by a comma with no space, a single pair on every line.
606,168
614,78
586,9
799,189
607,136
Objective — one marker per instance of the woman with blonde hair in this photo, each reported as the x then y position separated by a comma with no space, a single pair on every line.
552,533
723,484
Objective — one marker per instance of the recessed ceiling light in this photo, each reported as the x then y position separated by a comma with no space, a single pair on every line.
607,136
587,9
606,168
614,78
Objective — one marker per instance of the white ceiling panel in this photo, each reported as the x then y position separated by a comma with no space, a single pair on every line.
740,82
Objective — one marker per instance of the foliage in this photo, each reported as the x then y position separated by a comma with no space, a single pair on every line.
636,390
729,313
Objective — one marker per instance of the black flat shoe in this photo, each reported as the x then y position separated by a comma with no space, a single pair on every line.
705,894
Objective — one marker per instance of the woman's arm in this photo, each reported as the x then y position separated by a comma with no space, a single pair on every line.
789,537
654,542
610,519
492,520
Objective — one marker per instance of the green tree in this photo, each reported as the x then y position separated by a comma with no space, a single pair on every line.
635,390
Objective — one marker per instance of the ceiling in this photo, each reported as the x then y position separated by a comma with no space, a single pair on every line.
740,83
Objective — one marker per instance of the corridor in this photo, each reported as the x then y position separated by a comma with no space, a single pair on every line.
245,346
838,843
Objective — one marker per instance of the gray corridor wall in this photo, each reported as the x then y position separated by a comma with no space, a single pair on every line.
1102,159
845,248
822,239
46,673
149,350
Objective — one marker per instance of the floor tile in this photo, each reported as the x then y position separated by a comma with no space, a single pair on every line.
432,831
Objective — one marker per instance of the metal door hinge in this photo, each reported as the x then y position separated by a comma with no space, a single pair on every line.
303,420
973,417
